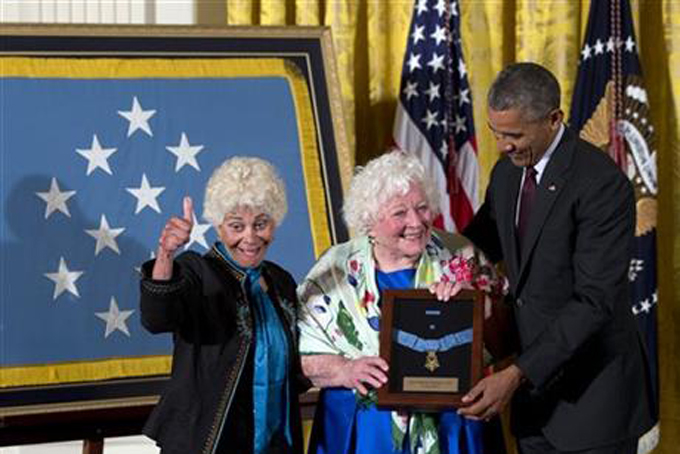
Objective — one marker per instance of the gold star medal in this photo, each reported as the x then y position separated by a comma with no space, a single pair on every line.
431,361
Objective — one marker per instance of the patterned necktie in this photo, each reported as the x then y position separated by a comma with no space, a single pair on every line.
526,203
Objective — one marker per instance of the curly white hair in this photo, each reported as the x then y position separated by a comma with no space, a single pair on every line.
244,182
381,179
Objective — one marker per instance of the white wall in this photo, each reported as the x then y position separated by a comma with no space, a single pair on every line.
120,445
99,11
175,11
96,12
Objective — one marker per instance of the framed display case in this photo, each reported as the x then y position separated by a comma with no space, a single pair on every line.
93,116
434,348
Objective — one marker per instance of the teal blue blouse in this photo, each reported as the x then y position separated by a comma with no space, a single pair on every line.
270,377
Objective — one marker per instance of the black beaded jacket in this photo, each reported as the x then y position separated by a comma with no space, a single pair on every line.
207,406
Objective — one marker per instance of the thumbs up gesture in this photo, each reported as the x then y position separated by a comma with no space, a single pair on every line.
177,231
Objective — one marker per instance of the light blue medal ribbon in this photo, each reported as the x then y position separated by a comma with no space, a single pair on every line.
432,346
442,344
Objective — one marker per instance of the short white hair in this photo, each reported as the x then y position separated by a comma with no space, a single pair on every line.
383,178
244,182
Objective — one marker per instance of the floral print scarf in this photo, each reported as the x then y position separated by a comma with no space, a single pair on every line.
341,314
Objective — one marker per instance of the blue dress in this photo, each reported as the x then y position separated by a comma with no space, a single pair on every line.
343,426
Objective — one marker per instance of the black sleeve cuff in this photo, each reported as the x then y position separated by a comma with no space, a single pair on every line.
160,287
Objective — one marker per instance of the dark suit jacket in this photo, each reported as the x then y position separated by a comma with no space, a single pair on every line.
580,349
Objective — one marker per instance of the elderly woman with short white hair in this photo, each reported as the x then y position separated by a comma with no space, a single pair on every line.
235,371
391,205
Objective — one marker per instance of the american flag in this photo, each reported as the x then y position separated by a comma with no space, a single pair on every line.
94,162
434,114
610,108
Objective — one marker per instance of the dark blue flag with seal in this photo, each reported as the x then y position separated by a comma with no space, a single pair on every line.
610,108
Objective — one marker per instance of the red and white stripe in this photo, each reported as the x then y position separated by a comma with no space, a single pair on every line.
458,187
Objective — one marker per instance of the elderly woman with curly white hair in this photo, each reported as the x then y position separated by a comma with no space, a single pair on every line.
391,206
236,370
